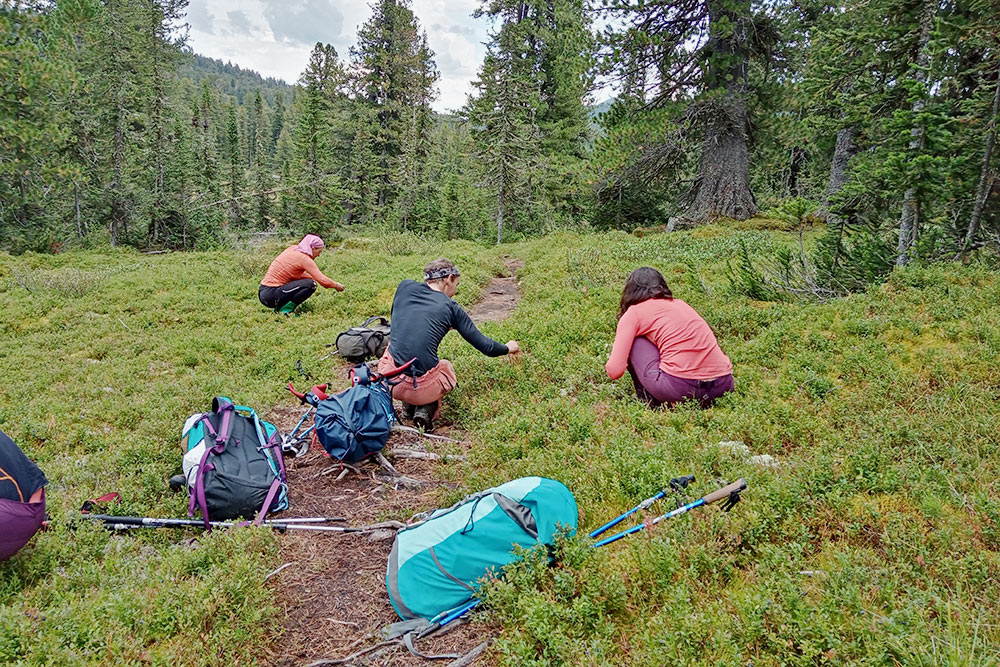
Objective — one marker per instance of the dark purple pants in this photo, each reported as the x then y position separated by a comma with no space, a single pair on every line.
656,387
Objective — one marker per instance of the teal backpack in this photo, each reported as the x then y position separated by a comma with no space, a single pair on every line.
436,566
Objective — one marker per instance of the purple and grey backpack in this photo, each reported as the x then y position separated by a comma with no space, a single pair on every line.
233,464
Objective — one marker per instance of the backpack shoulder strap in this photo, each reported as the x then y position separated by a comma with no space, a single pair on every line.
271,493
223,406
376,318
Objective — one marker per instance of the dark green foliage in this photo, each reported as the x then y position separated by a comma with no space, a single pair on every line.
882,112
530,125
34,132
395,86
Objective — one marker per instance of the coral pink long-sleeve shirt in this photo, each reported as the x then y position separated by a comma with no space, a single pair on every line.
292,264
688,348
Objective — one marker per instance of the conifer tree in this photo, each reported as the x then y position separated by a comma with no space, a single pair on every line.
119,77
207,177
394,75
504,115
317,182
76,33
233,157
162,54
259,168
697,50
277,122
32,130
551,43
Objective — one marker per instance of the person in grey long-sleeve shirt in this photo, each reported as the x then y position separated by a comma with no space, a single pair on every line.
422,313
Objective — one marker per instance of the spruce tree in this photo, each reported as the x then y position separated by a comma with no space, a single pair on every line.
162,51
551,42
698,51
318,194
277,122
32,128
260,160
233,156
504,115
394,77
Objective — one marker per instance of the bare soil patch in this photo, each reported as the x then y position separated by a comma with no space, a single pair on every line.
500,296
333,593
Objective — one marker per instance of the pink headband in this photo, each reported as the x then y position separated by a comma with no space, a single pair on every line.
308,242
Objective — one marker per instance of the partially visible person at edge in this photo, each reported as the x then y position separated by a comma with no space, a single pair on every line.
292,276
22,498
422,313
669,350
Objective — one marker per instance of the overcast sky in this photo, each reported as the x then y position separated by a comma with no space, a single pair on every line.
274,37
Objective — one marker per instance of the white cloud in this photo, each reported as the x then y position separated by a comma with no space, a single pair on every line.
200,18
274,37
240,23
305,21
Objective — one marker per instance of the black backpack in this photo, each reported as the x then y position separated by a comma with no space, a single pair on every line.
234,466
367,341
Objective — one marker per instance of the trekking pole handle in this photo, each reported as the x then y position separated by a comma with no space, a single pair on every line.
725,491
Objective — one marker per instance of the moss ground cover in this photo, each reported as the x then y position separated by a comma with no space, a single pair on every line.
873,539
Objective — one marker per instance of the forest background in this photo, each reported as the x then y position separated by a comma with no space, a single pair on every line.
875,117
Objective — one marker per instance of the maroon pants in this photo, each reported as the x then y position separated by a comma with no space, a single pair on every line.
656,387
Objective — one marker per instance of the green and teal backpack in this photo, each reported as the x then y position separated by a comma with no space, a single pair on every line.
436,566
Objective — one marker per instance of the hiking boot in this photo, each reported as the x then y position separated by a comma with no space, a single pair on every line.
408,410
423,416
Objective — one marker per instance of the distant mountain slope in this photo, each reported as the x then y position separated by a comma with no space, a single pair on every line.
233,80
596,110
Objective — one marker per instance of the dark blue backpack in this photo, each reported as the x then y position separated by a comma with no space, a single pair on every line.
355,423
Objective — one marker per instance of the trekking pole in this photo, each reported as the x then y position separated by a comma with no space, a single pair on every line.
730,492
448,618
125,522
676,484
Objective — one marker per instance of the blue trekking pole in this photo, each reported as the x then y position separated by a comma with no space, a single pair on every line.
676,485
731,493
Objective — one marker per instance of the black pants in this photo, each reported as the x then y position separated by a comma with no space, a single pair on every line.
296,292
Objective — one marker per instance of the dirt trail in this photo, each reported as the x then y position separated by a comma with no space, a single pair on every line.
333,592
500,296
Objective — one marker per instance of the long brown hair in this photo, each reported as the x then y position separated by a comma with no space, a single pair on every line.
643,284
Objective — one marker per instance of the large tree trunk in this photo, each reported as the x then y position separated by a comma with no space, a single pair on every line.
984,176
722,187
844,150
909,220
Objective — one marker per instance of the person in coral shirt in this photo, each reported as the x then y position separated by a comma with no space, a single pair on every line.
292,276
669,350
